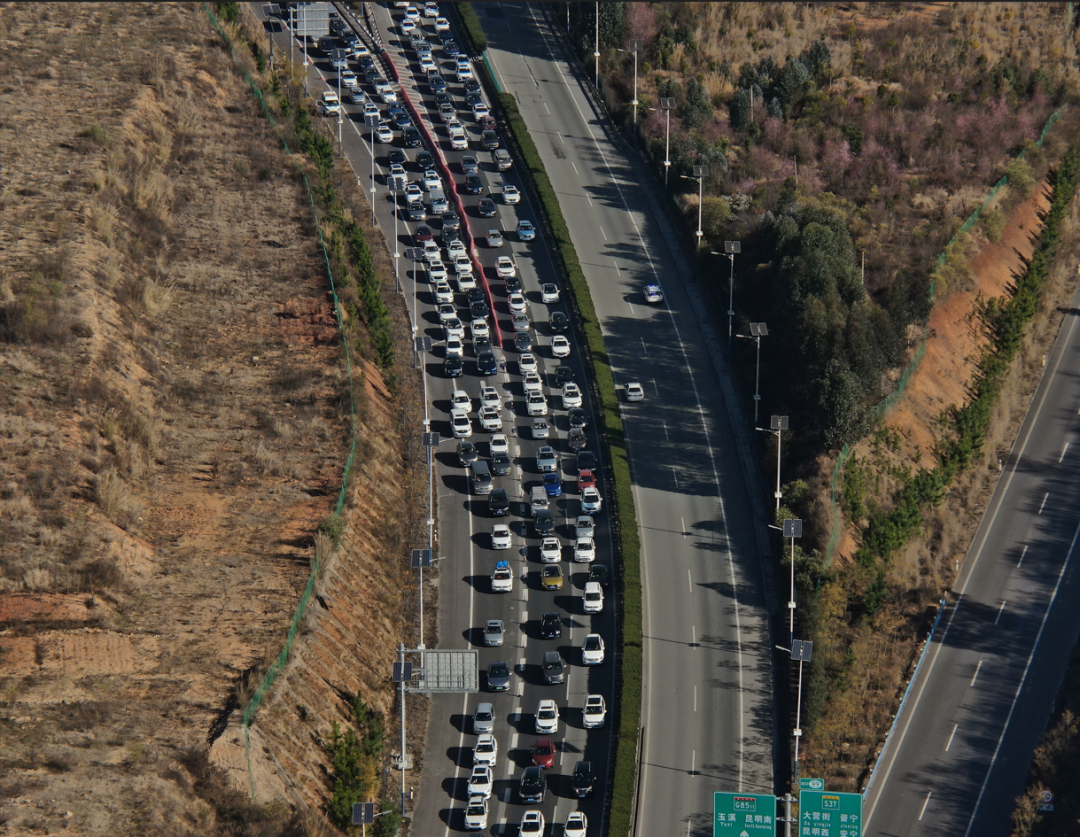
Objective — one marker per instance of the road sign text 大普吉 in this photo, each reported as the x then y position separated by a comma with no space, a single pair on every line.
738,814
823,814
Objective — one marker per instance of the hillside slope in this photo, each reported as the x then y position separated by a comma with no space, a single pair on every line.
174,417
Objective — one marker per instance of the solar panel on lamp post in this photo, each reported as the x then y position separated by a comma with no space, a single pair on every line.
757,331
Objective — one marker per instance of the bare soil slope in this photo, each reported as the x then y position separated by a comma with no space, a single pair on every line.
173,426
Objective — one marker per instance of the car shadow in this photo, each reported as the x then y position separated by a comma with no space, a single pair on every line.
460,756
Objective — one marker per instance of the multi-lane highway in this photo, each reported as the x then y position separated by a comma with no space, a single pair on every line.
960,749
707,713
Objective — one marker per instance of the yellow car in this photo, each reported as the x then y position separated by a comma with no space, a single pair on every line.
551,577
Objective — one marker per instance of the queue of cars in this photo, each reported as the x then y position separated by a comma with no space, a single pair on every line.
461,121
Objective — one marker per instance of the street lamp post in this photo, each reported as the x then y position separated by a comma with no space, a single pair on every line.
596,48
731,249
792,529
371,122
634,46
666,105
801,651
421,558
699,175
397,243
757,331
340,113
402,673
778,424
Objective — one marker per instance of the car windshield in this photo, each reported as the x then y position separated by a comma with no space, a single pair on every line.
498,670
592,643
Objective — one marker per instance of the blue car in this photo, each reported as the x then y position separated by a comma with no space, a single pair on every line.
526,231
553,485
451,49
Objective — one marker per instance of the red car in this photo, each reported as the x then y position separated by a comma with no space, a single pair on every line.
424,233
544,753
586,479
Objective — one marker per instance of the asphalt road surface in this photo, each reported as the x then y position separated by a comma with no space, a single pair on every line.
961,747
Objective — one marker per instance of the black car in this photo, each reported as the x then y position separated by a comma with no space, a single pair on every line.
498,502
578,417
544,523
586,461
442,99
474,295
531,789
562,375
576,438
437,84
523,341
397,156
450,221
500,463
473,184
415,211
485,364
450,236
513,284
599,573
582,780
481,344
486,208
454,366
367,61
554,668
424,160
489,139
558,322
471,85
498,677
551,625
467,452
411,137
479,310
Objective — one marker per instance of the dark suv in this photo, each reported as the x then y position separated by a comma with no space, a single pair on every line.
551,625
531,789
498,502
582,780
554,668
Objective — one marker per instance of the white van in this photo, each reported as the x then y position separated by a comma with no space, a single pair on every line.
538,499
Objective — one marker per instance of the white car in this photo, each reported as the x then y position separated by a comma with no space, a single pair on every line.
426,63
414,194
459,421
412,13
389,97
527,362
442,24
635,392
371,109
447,112
505,267
443,291
510,194
494,238
500,536
447,312
431,251
590,500
459,142
479,329
499,444
571,395
437,271
489,397
550,551
532,382
560,346
594,597
592,650
577,825
456,248
490,419
536,404
463,265
459,400
516,302
454,328
549,293
330,104
532,824
584,551
584,527
431,180
480,109
453,126
431,10
595,712
486,750
455,348
502,578
348,79
547,718
480,781
466,281
653,294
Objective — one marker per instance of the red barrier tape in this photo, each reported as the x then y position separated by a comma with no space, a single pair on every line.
451,188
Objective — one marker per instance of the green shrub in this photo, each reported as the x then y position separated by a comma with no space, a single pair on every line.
470,24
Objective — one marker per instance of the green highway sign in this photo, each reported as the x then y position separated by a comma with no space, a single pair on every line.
744,814
823,814
812,784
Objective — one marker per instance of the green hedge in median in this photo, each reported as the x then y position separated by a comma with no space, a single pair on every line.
623,515
473,30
